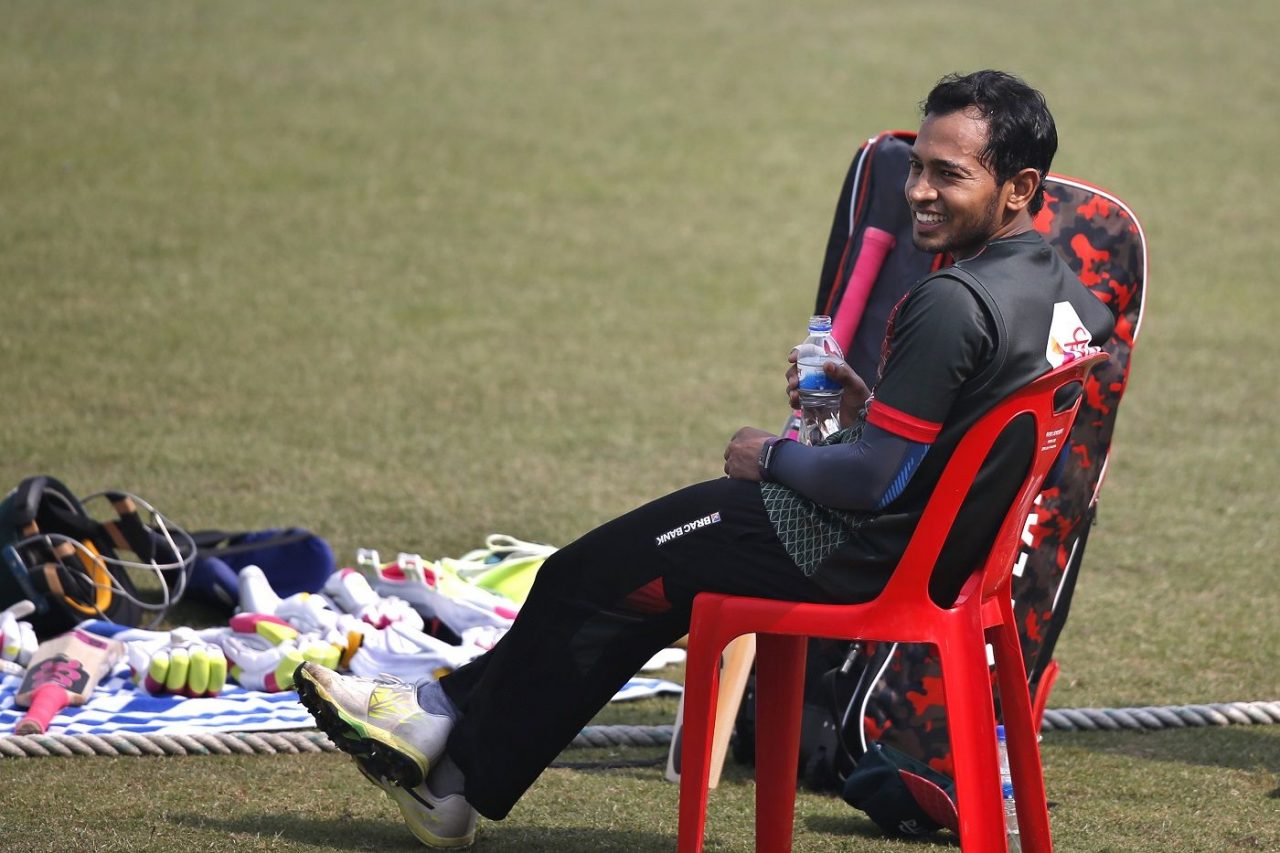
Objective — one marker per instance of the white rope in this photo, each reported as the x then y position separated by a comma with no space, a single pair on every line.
1161,717
311,740
199,743
606,736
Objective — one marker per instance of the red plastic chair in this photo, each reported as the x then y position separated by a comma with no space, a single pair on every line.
903,612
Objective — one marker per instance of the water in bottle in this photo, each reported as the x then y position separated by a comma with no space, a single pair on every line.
819,393
1006,793
1002,749
1012,836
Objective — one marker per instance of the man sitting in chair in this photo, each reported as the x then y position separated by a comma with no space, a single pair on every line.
822,524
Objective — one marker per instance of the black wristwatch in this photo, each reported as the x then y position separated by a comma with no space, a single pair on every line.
766,456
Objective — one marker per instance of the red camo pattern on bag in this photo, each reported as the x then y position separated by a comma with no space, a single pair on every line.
1103,244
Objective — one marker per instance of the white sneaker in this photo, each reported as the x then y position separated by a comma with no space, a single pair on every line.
351,593
436,592
440,822
404,653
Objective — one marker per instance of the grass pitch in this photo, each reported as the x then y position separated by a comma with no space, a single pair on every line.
410,273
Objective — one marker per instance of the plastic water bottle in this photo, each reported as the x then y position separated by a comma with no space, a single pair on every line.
1011,819
1002,748
1006,793
819,393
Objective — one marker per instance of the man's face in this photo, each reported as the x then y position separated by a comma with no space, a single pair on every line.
956,204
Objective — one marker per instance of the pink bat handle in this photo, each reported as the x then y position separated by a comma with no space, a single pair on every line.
876,245
46,702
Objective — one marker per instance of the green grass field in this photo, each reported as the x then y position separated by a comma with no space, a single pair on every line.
410,273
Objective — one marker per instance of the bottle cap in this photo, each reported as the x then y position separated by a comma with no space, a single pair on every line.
999,732
1006,790
819,323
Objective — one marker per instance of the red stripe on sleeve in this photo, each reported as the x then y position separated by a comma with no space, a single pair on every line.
901,424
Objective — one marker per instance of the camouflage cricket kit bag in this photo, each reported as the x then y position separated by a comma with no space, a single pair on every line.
875,723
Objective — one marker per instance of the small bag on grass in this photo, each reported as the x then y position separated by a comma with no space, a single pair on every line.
292,558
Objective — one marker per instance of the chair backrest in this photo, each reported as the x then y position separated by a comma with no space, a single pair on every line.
1051,427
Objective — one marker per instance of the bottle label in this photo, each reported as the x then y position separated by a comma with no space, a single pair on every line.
814,378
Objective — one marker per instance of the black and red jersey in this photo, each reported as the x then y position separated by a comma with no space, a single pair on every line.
958,342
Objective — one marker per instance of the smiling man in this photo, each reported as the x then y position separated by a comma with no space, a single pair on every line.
791,522
966,188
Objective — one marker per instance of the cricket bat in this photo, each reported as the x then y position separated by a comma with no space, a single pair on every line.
735,666
62,672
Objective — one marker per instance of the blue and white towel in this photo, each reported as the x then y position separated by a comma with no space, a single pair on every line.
643,688
118,706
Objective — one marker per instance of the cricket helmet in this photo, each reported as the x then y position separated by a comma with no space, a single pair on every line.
129,569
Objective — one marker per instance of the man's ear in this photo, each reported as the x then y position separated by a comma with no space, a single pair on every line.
1021,187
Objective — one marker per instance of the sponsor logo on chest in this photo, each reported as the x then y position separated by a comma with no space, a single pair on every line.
1068,337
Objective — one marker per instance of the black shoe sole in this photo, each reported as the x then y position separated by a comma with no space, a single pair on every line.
377,757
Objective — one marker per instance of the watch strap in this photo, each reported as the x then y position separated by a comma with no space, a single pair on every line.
766,456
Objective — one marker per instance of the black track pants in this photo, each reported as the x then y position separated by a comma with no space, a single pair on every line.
599,609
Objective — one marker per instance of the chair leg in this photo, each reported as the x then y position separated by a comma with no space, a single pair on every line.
780,662
1020,734
972,728
701,684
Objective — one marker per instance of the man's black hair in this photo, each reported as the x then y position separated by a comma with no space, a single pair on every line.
1020,128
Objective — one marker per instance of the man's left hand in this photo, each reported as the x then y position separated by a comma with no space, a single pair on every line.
742,455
